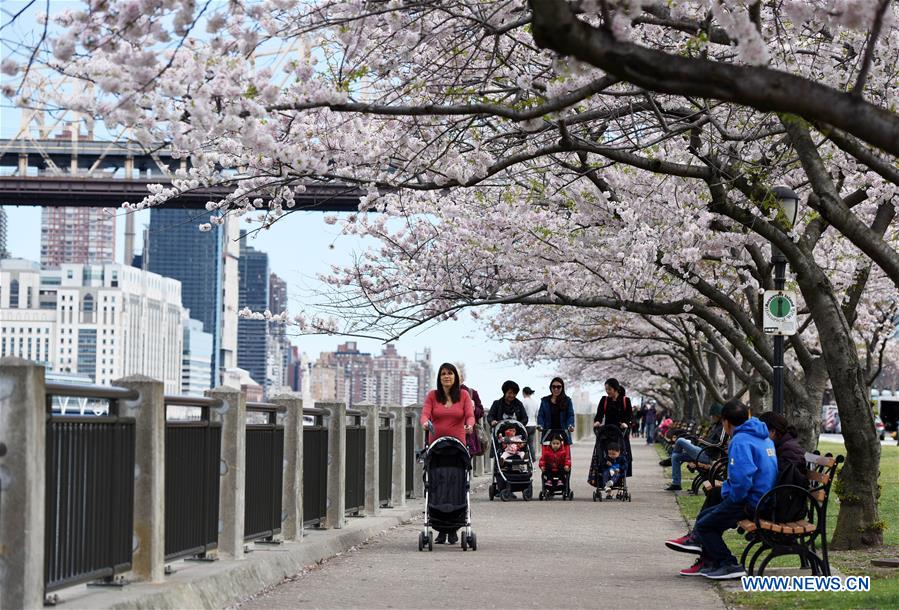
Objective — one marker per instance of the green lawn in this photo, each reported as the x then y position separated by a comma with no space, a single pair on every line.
884,582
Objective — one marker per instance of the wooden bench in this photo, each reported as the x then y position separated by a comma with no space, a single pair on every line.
769,538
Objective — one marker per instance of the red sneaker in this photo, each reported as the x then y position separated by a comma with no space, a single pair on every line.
694,569
684,544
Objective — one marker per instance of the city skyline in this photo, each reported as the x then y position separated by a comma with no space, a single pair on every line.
302,245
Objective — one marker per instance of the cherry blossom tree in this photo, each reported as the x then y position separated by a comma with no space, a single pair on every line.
613,155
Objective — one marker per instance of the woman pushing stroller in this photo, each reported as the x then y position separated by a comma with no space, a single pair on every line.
450,411
556,412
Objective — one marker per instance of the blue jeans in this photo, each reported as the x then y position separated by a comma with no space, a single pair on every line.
684,451
711,523
610,476
650,429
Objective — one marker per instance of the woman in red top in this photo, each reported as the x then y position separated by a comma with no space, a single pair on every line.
451,410
449,407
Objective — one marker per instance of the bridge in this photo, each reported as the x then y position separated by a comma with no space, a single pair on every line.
75,172
240,502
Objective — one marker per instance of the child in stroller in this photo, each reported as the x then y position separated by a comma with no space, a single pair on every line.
608,468
513,464
555,462
512,445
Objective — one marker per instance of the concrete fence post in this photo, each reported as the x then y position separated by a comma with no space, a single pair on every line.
335,515
292,490
372,458
398,468
148,411
23,435
233,416
419,436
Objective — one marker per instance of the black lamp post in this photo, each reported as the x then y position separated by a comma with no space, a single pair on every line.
788,201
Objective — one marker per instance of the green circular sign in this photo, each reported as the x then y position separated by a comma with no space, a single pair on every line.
780,307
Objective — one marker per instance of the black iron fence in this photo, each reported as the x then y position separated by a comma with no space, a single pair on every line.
410,455
264,472
193,449
385,460
315,468
354,495
90,490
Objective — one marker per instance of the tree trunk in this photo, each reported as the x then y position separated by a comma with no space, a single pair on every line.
804,410
759,395
858,524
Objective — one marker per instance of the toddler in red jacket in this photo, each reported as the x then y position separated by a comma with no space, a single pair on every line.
555,459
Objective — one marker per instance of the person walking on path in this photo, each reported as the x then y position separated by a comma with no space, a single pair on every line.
614,409
531,406
507,407
473,440
686,451
751,473
649,424
450,411
556,411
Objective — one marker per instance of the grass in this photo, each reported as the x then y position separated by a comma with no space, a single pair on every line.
884,591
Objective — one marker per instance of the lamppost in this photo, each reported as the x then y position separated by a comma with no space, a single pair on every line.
788,201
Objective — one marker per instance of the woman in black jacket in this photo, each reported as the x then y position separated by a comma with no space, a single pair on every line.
508,407
615,409
786,443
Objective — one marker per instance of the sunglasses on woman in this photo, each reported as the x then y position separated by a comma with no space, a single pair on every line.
555,387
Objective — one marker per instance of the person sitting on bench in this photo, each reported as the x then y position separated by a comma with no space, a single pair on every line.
686,451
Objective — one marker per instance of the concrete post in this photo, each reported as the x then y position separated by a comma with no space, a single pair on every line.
335,515
372,458
233,415
292,494
398,483
419,436
23,436
148,411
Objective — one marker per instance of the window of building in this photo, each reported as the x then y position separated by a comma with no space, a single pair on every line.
87,309
14,294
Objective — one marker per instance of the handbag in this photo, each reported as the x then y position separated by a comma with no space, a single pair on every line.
483,436
473,443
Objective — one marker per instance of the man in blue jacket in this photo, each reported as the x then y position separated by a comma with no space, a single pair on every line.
751,473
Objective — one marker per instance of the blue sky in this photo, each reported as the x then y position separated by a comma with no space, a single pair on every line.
299,247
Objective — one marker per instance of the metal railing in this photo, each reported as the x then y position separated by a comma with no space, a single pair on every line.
315,468
193,451
264,472
89,489
354,493
410,455
385,458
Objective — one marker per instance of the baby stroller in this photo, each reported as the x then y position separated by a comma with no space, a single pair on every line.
447,484
513,474
605,435
555,484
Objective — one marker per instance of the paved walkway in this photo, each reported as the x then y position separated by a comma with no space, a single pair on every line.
577,554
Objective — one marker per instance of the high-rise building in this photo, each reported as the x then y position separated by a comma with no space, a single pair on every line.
253,335
3,251
196,358
279,350
350,375
83,236
277,300
102,321
205,264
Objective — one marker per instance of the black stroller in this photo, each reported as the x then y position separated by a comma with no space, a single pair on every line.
558,484
514,473
605,435
447,484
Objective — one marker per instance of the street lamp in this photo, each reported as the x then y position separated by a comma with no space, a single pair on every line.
788,201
